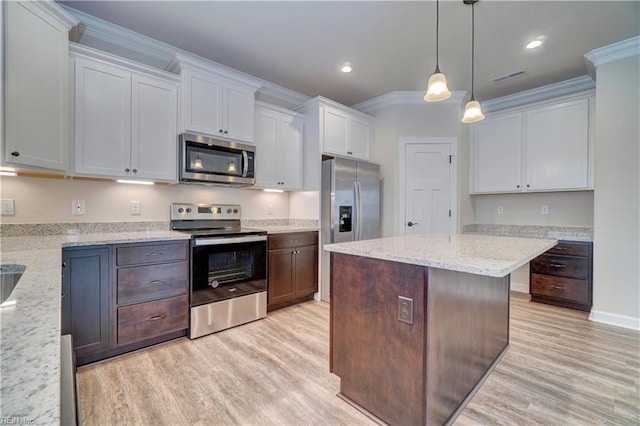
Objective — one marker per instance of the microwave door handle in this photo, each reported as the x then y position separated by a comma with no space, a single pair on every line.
245,162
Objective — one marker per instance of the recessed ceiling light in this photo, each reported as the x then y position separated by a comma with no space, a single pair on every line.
346,68
533,44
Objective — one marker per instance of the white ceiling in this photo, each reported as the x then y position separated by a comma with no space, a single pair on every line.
391,45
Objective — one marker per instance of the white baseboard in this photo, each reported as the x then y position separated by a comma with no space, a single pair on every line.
521,287
615,319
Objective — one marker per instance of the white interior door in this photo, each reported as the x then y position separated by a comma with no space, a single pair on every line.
427,188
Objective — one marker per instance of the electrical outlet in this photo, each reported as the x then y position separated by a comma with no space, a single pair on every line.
544,209
500,209
270,210
77,207
135,208
7,206
405,309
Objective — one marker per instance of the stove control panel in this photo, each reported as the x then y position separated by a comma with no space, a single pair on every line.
205,211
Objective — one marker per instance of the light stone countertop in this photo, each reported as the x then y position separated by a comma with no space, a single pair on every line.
567,233
476,254
30,322
283,229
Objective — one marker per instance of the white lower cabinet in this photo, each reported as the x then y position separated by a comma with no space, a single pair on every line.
278,148
548,147
125,123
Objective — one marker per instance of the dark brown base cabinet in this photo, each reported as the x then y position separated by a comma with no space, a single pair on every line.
562,276
293,268
120,298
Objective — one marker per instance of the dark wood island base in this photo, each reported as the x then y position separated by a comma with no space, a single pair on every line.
412,344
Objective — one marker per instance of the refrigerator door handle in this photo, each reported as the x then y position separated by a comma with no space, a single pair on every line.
357,226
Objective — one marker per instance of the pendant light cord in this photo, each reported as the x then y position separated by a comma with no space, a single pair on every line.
437,28
473,46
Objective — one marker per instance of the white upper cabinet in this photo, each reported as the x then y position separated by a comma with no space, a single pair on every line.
278,148
558,146
37,85
346,132
125,121
546,147
496,153
215,103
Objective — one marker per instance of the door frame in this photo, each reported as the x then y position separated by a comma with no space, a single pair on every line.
453,177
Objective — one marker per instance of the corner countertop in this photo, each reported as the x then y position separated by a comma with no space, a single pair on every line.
567,233
284,229
476,254
30,321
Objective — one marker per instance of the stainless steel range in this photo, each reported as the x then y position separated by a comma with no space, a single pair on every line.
228,267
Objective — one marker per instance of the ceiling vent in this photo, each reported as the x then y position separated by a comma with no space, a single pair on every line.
506,77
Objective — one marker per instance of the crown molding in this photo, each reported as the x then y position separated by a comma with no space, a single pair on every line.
563,88
404,98
611,53
80,51
321,100
161,55
55,10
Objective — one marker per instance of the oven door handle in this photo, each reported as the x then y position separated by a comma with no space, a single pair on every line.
220,241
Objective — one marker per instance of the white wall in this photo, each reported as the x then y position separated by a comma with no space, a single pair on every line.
616,280
304,205
565,209
39,200
421,120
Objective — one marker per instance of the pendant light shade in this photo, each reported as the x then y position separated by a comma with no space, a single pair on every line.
437,89
472,110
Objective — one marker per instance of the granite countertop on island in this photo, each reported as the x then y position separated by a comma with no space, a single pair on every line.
30,321
476,254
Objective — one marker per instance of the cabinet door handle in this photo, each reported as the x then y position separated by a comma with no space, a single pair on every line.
157,282
154,253
558,287
349,152
559,248
557,265
15,154
157,317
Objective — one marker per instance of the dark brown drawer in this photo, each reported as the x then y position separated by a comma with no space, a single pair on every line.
295,239
151,319
563,288
562,266
144,283
151,253
571,249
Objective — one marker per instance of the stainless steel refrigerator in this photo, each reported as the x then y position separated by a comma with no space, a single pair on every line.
350,201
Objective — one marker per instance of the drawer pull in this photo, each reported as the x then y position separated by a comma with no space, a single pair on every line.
558,287
559,248
157,317
154,253
157,282
557,265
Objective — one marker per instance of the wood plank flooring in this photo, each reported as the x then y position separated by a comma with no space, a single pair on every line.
561,369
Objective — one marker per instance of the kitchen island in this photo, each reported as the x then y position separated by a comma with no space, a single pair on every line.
418,322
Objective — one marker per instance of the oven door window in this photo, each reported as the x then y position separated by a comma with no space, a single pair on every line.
225,271
213,160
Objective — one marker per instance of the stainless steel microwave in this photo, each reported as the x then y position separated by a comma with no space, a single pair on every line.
208,160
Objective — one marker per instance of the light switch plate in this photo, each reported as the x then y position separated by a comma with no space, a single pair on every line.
405,309
135,208
7,206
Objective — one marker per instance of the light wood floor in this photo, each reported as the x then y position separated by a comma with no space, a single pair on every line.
561,369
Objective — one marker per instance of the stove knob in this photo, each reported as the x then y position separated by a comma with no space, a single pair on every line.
235,210
228,210
188,209
180,210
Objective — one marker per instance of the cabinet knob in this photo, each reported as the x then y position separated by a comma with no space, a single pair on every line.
517,186
528,185
225,132
349,152
127,170
221,131
135,170
15,154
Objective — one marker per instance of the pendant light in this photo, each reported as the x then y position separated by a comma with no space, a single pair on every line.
437,89
472,111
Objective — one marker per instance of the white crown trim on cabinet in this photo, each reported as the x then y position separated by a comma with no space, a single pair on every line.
611,53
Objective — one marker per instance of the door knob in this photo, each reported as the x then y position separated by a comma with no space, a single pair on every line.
412,223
